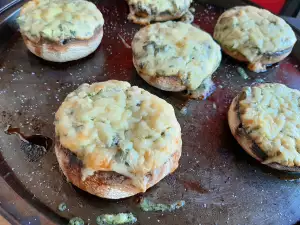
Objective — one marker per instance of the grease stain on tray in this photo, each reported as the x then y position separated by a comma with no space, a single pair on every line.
195,186
34,146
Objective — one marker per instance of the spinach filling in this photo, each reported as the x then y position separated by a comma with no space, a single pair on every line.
62,207
156,48
242,73
121,218
149,206
76,221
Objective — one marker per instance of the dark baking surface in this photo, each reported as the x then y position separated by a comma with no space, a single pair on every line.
5,4
219,182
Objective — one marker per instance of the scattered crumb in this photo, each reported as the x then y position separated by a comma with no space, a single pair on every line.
214,106
62,207
124,42
76,221
242,73
184,110
259,80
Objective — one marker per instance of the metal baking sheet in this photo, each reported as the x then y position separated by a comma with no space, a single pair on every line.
220,183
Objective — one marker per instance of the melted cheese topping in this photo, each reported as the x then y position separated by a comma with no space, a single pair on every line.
112,126
176,49
270,115
253,32
155,7
59,20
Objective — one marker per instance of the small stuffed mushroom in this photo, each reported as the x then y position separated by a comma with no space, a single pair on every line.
255,36
265,120
146,11
176,56
114,140
61,30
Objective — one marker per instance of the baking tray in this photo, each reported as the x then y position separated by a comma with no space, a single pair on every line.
219,182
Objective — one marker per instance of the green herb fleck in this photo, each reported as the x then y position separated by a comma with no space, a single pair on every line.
76,221
62,207
243,73
73,33
156,48
90,95
115,140
78,127
100,92
259,80
150,44
214,106
122,155
147,205
166,132
60,28
121,218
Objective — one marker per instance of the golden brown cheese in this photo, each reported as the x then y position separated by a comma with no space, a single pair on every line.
58,20
176,49
112,126
270,115
253,32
